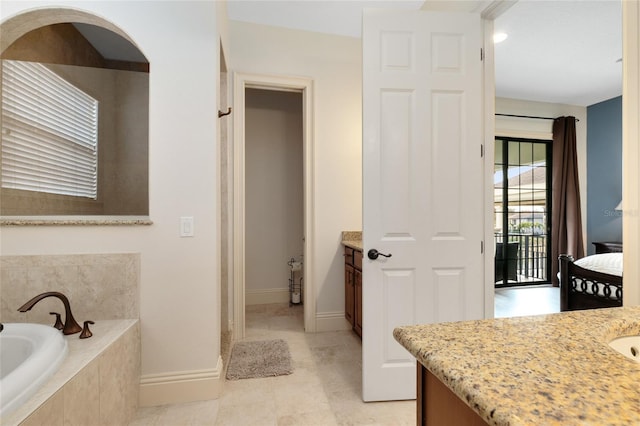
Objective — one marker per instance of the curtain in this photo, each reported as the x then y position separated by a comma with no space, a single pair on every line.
566,222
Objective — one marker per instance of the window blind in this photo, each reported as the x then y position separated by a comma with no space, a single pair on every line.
49,132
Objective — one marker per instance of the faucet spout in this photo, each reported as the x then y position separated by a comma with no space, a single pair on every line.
71,326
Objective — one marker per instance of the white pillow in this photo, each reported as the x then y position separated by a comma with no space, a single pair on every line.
607,263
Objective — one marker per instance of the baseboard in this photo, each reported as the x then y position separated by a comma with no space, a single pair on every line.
181,386
331,321
266,296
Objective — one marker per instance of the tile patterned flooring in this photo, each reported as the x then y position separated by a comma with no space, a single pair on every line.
325,388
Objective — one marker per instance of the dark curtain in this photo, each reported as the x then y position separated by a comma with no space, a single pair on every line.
566,225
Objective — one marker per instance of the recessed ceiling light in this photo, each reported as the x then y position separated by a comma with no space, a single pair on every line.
499,37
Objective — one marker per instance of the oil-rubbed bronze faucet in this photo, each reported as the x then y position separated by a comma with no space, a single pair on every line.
70,324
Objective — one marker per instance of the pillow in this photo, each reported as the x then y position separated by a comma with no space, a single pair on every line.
606,263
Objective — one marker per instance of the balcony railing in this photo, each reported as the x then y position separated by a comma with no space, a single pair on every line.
531,261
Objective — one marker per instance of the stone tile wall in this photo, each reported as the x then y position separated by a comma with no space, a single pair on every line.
99,286
105,392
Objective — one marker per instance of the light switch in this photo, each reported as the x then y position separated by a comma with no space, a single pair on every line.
186,226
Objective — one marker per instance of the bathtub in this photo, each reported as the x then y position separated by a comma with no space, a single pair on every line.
29,355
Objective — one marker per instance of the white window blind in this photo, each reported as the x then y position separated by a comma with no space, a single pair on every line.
49,132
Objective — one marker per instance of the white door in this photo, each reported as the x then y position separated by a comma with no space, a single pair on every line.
422,184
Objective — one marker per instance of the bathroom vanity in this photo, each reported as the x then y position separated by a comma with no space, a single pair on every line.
545,369
352,242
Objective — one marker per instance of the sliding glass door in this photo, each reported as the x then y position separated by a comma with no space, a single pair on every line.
522,207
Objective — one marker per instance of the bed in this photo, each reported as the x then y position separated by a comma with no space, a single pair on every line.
591,282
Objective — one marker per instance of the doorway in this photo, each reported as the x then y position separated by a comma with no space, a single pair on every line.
522,211
267,240
225,213
273,197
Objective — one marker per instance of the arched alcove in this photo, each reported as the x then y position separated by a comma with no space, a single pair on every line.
19,25
101,61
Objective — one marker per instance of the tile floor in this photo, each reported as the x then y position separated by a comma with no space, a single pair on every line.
324,389
520,301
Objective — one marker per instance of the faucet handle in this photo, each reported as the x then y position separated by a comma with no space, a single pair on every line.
86,333
58,323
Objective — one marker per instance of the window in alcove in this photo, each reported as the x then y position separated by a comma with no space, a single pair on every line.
112,70
50,133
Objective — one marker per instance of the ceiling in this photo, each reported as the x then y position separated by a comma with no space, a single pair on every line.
562,51
559,51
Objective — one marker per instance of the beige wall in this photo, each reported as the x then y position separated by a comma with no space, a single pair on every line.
128,178
542,129
123,140
273,184
334,64
179,290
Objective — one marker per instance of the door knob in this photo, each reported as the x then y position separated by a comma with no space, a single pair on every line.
373,254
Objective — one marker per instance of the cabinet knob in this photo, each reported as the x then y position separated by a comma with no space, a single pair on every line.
373,254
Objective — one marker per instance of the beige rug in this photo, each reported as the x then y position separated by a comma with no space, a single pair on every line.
259,359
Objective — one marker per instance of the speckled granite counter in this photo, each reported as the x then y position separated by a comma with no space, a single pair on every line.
540,370
74,221
352,239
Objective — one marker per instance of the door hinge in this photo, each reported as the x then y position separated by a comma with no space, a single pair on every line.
481,150
481,247
481,54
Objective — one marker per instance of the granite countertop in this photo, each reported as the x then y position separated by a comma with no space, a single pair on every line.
352,239
540,370
74,220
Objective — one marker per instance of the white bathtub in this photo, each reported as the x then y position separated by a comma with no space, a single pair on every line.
29,355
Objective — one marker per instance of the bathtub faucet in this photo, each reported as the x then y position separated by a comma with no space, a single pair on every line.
70,324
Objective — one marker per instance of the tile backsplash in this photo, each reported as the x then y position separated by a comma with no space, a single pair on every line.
99,286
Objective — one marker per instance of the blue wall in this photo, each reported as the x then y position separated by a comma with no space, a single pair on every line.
604,171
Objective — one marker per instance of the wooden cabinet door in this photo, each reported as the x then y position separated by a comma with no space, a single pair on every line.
438,405
349,293
357,326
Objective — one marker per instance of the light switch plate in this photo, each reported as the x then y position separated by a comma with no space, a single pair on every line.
186,226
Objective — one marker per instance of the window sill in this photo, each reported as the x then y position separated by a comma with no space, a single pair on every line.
75,221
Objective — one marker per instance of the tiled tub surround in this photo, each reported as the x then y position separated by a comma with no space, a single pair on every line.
546,369
99,286
99,381
97,384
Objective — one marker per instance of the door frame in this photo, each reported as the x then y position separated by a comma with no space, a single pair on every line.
631,149
630,146
242,81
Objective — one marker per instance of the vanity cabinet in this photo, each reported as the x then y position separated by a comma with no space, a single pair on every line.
438,405
349,287
353,288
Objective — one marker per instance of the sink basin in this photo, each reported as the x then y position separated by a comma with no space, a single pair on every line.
628,346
